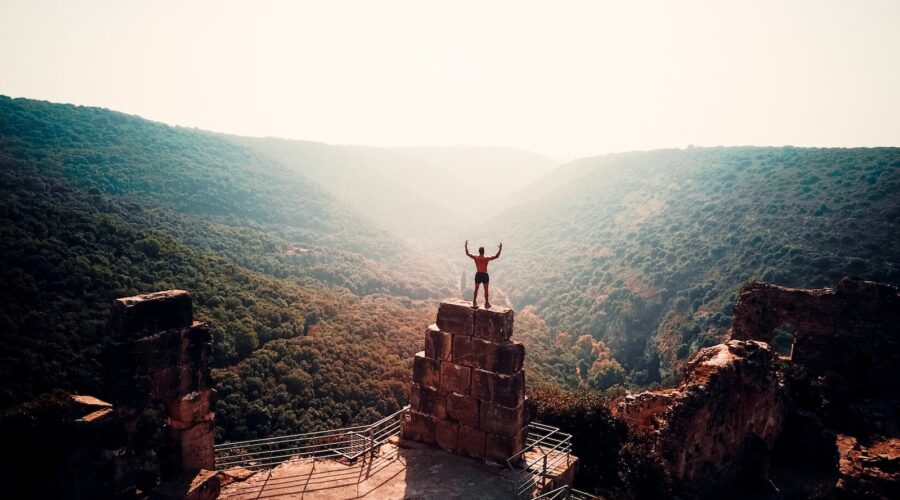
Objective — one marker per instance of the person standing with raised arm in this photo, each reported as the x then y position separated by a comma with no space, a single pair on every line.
481,274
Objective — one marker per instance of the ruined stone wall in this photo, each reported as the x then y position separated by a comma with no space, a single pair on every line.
159,354
720,420
468,390
852,330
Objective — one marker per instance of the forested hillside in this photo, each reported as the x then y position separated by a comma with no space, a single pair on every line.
425,194
370,180
290,357
645,252
252,208
286,281
67,254
314,310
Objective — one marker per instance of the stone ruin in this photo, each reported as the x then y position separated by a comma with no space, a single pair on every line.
851,331
731,411
724,415
468,389
159,353
847,341
158,359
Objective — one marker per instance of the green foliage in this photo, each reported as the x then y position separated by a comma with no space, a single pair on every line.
647,251
212,194
613,461
352,368
68,252
98,205
65,260
597,435
642,474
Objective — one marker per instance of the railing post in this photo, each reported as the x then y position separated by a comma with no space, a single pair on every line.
544,473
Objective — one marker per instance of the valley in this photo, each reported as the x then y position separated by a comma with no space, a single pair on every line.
316,264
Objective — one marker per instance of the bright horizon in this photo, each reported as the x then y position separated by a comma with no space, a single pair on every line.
573,80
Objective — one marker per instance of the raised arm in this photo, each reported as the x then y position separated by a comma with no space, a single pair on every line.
500,249
467,250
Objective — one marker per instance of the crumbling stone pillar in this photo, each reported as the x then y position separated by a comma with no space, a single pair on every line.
159,354
468,390
851,330
725,415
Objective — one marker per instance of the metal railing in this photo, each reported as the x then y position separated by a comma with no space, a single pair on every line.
348,443
565,493
550,449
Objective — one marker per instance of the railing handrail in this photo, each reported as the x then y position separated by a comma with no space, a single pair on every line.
290,437
549,440
565,492
352,442
349,442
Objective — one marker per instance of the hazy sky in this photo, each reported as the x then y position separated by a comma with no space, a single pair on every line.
562,78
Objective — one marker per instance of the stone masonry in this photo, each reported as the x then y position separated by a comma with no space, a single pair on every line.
851,331
468,390
720,422
159,354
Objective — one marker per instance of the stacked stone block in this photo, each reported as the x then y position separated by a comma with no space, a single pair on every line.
468,390
159,354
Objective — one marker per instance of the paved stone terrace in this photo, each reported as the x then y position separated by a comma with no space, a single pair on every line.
417,472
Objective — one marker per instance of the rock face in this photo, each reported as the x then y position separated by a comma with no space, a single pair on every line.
869,470
851,330
847,340
720,421
158,423
159,355
837,414
468,390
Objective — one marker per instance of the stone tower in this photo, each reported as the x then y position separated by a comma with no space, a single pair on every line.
158,353
468,390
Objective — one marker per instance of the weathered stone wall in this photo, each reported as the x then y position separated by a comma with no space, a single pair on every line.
851,330
723,418
468,390
159,354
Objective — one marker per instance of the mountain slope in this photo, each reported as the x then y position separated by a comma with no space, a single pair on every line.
67,254
365,178
194,176
422,193
645,251
287,356
487,178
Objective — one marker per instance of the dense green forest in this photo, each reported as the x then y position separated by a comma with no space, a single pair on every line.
645,252
67,255
214,194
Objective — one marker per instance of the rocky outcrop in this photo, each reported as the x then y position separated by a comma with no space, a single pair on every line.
720,422
841,413
468,390
832,410
850,332
156,432
159,354
157,372
869,470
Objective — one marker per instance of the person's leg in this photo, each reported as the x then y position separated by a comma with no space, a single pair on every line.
475,295
487,301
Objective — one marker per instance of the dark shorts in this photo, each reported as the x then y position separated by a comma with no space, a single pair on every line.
482,278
